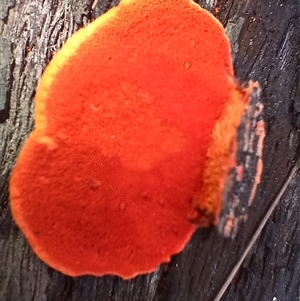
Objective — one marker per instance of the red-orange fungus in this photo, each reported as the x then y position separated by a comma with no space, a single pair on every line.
135,117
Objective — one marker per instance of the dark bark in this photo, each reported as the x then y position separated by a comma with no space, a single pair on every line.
265,38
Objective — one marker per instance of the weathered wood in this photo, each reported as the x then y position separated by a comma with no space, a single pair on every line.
265,38
6,65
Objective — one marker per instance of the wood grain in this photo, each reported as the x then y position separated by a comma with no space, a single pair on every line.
265,38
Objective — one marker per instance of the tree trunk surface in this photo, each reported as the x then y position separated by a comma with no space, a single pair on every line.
265,38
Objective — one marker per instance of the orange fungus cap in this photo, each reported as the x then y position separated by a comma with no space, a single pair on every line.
134,117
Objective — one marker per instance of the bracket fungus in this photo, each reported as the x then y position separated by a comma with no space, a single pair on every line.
136,119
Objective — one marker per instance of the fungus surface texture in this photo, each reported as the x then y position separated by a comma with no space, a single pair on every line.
135,118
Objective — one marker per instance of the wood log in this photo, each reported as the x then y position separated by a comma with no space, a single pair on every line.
265,37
